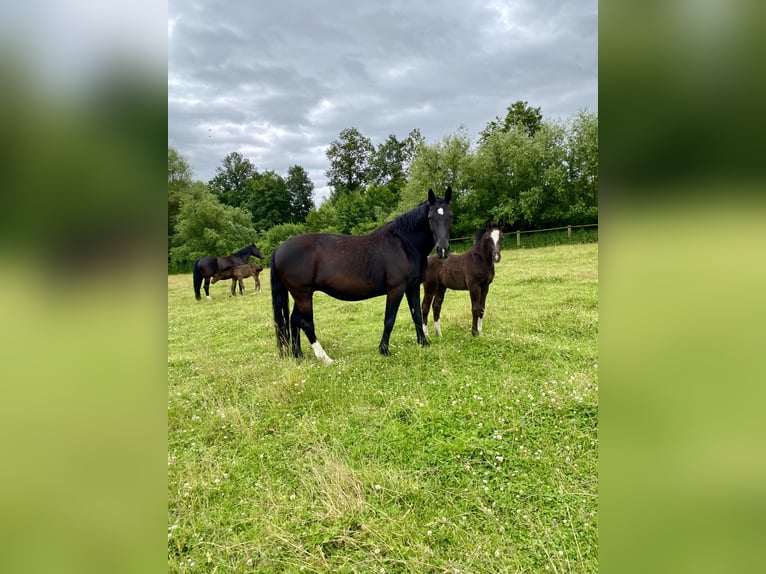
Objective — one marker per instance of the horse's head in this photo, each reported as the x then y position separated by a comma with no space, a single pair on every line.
440,220
255,252
493,235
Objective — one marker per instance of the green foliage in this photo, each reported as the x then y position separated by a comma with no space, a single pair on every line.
474,454
436,167
350,156
301,191
205,226
231,180
179,182
324,219
519,115
276,235
268,199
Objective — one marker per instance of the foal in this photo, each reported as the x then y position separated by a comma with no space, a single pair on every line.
238,273
473,270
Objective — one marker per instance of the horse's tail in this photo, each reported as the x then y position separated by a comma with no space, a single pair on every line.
280,304
197,280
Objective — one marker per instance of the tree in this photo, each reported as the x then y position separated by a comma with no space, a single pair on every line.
205,226
519,115
231,179
179,182
301,191
437,166
350,157
268,200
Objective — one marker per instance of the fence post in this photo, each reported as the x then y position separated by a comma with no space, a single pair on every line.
569,232
518,238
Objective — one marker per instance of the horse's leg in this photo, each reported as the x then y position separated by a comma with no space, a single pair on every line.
295,330
241,285
305,320
483,302
428,296
413,300
393,300
477,308
257,283
437,307
207,288
233,287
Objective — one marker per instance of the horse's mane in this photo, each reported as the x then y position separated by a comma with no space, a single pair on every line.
245,249
410,220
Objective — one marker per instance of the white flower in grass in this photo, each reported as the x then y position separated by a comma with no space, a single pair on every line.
249,562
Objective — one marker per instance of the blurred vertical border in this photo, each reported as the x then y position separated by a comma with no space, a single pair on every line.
682,274
83,127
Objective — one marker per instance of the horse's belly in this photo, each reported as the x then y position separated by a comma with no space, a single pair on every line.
347,289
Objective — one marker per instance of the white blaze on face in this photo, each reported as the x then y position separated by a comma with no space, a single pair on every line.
440,211
495,235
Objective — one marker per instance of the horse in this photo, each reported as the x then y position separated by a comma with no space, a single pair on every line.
237,274
473,270
206,267
390,261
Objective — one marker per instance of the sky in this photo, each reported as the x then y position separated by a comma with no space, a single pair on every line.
277,81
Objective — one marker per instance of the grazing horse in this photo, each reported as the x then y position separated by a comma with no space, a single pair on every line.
237,274
473,270
206,267
390,261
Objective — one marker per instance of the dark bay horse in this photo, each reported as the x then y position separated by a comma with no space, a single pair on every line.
206,267
473,270
238,274
390,261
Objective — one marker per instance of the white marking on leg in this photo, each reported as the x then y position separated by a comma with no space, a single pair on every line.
478,325
209,298
320,354
425,329
437,328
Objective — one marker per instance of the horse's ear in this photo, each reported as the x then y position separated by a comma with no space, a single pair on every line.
488,224
431,196
448,194
500,223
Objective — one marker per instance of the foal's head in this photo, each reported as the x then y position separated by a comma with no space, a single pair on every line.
493,239
440,221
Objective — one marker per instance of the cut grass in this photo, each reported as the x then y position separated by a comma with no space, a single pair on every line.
474,454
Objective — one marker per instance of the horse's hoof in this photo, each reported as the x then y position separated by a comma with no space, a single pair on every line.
383,349
209,298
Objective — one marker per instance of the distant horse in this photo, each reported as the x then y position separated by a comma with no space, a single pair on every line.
473,270
237,274
390,261
206,267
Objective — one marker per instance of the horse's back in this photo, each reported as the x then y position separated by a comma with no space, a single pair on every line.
348,267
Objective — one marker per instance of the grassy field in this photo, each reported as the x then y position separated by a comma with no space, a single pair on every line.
470,455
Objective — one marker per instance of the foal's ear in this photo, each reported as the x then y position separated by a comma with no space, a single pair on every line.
500,223
448,194
431,196
488,224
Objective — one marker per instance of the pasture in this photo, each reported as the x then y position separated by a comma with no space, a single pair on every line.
474,454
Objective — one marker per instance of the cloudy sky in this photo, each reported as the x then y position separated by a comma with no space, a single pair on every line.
278,80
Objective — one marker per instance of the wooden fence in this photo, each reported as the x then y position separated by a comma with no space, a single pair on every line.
519,232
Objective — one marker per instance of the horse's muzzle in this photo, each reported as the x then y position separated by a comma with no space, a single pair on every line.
496,257
442,252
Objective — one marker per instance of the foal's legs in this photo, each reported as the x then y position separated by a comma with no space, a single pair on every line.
413,300
233,286
438,300
303,318
478,297
393,300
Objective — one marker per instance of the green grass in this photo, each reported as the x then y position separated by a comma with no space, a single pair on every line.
474,454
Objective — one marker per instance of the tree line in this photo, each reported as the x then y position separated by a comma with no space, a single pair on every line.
531,172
